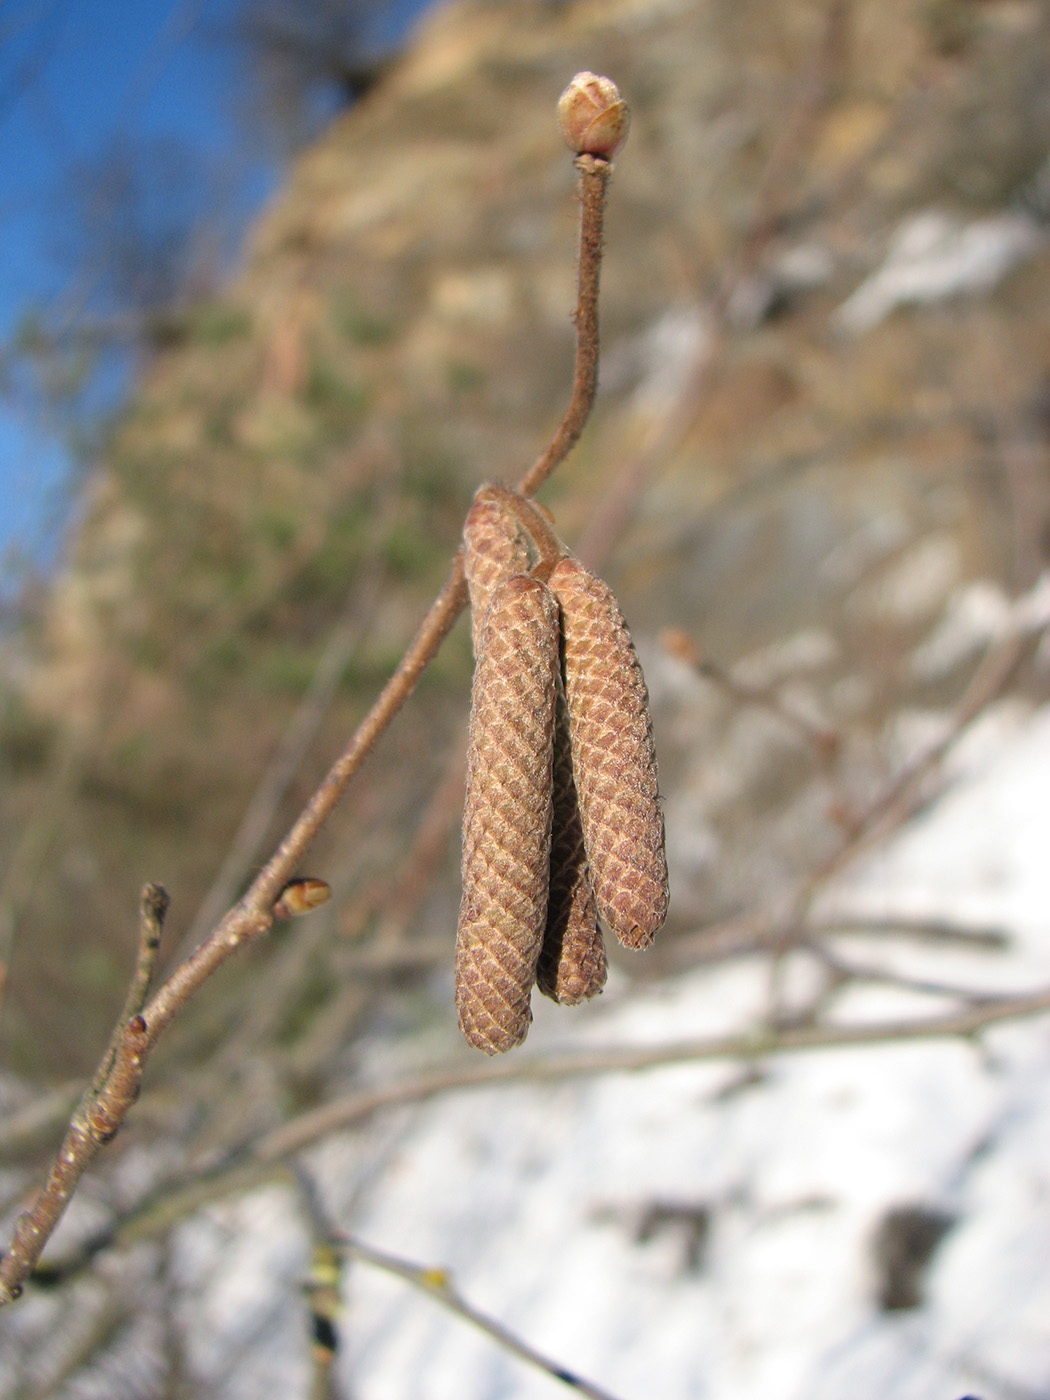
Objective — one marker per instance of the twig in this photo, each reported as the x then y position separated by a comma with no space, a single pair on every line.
321,1289
784,918
252,917
437,1284
844,970
95,1123
310,1127
259,1163
594,176
932,930
330,1246
153,907
823,741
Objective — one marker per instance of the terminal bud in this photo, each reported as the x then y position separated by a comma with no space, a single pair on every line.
592,117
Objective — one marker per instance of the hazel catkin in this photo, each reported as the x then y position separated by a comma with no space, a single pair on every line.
496,547
614,761
507,814
572,966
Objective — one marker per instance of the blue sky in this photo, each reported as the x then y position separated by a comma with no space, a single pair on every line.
78,77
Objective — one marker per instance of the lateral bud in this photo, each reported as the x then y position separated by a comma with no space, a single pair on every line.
301,897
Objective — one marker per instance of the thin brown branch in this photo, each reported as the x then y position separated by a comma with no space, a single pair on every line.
321,1289
331,1246
153,906
267,1156
436,1284
310,1127
594,173
845,970
94,1124
930,930
822,740
253,916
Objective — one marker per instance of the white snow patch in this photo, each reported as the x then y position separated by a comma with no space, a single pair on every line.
757,1281
935,255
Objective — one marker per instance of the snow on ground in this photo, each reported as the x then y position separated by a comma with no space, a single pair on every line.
701,1231
935,255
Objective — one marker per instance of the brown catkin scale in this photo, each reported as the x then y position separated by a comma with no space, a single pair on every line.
507,815
614,762
572,966
496,547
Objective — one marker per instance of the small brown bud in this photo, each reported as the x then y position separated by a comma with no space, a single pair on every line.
614,761
593,119
507,814
572,966
301,897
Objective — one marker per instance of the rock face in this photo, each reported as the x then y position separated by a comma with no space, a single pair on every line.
823,418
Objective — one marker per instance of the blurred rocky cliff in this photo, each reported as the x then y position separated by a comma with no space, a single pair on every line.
821,448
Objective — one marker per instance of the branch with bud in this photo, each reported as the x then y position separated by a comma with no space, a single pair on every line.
594,121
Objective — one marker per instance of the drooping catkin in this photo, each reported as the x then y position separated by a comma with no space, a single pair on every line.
496,547
614,762
572,966
507,814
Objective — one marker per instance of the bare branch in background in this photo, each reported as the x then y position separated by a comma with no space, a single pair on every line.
437,1284
265,1160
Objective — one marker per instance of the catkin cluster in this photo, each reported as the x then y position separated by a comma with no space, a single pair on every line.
562,823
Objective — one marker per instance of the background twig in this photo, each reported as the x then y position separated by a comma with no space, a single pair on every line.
437,1284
